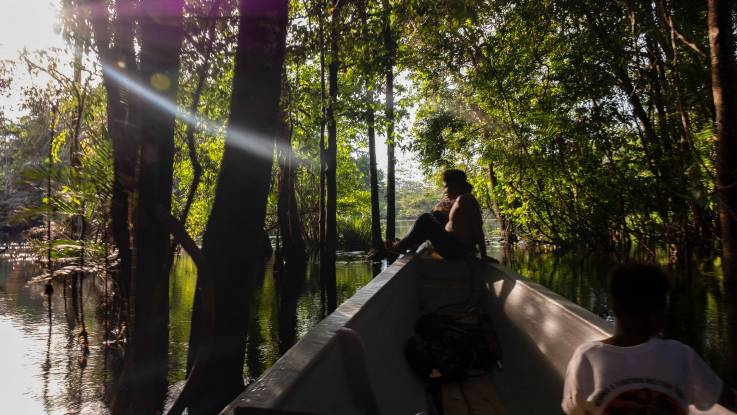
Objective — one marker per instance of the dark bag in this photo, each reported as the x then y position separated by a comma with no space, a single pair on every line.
445,348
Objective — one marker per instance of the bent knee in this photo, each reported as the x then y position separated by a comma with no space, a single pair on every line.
426,218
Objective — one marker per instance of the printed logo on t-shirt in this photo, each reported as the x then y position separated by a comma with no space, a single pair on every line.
642,396
643,402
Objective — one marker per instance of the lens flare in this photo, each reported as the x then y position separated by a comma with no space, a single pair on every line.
258,144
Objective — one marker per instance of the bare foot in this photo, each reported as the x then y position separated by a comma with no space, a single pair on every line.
376,254
392,247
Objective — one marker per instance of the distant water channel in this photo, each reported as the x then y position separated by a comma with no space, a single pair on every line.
43,370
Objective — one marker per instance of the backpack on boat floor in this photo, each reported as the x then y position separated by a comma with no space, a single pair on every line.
448,348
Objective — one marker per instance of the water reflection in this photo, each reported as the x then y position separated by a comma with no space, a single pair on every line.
696,312
289,282
44,368
40,368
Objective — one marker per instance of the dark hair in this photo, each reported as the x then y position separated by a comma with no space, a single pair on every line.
456,176
638,288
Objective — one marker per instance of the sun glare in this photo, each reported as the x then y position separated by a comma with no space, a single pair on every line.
29,24
244,140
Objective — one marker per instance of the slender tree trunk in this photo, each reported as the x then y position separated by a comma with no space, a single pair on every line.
724,90
191,145
494,202
323,120
233,242
75,162
703,224
390,139
290,225
143,383
376,241
327,261
374,181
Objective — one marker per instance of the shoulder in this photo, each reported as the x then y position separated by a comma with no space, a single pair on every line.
587,348
583,351
674,346
679,353
467,199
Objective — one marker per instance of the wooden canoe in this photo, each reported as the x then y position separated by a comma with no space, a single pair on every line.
352,362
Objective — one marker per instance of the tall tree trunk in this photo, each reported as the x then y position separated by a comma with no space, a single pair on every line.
374,180
322,217
233,242
143,383
390,139
119,57
75,162
327,258
290,226
724,90
376,241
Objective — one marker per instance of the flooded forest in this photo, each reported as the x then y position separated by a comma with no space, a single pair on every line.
187,187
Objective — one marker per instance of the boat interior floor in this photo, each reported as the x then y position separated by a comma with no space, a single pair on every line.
527,383
476,395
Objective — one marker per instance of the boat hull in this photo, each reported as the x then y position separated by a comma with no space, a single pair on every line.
352,362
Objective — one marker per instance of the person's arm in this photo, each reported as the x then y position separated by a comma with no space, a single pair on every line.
443,205
577,385
705,388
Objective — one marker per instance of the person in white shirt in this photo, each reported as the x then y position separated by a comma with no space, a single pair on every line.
634,372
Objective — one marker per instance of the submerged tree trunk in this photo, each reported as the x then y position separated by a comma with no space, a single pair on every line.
390,139
120,58
202,73
327,258
374,180
290,225
724,90
143,382
322,215
376,241
290,283
233,242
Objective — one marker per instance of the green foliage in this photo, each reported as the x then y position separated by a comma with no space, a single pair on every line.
416,197
549,93
58,167
598,129
354,233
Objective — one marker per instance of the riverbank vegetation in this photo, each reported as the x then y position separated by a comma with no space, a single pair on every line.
208,125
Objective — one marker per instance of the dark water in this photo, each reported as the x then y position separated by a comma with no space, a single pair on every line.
696,313
43,370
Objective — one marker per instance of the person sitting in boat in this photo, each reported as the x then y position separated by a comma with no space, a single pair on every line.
635,371
441,211
460,235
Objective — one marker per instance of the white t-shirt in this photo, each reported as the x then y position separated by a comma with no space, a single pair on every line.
656,377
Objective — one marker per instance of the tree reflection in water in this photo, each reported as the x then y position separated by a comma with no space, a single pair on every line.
284,309
696,312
